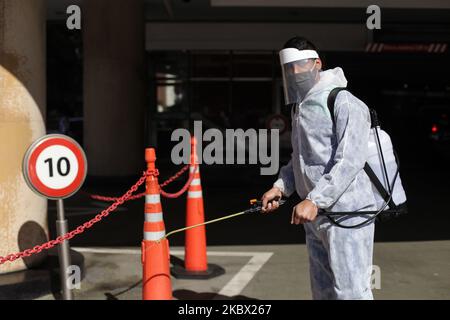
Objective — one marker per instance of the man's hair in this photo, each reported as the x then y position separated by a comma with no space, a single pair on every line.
300,43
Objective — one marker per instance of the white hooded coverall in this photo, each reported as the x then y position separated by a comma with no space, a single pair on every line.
327,168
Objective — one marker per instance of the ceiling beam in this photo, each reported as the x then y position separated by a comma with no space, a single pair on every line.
253,36
398,4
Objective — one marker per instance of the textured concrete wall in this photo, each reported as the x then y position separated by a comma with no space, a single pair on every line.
114,78
23,215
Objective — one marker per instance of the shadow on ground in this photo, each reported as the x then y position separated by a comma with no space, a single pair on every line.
192,295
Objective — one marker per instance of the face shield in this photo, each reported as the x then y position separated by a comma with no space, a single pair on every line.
299,73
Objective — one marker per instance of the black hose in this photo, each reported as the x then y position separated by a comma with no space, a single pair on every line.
375,215
110,296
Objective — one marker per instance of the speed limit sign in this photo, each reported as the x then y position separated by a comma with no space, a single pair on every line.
55,166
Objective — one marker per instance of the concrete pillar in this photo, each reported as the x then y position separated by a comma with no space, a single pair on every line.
114,73
23,215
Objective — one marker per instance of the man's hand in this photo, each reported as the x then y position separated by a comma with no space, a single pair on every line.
305,211
270,200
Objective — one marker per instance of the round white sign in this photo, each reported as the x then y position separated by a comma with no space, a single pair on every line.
55,166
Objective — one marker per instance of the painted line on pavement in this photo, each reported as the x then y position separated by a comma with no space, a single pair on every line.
233,288
245,275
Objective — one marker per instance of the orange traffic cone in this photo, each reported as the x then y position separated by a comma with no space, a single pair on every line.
155,252
195,258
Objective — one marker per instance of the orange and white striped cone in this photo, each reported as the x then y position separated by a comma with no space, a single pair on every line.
195,258
156,283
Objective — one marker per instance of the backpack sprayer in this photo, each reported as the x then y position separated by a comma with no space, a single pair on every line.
382,167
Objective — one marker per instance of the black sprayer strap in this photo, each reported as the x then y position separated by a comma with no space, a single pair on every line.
331,100
378,185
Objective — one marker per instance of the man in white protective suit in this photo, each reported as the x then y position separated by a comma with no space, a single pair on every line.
326,170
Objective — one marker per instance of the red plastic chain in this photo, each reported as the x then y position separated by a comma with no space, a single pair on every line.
80,229
162,185
175,176
182,190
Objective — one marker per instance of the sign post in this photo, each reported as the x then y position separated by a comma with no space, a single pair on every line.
63,251
55,167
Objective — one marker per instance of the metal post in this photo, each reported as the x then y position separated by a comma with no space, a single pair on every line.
63,251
